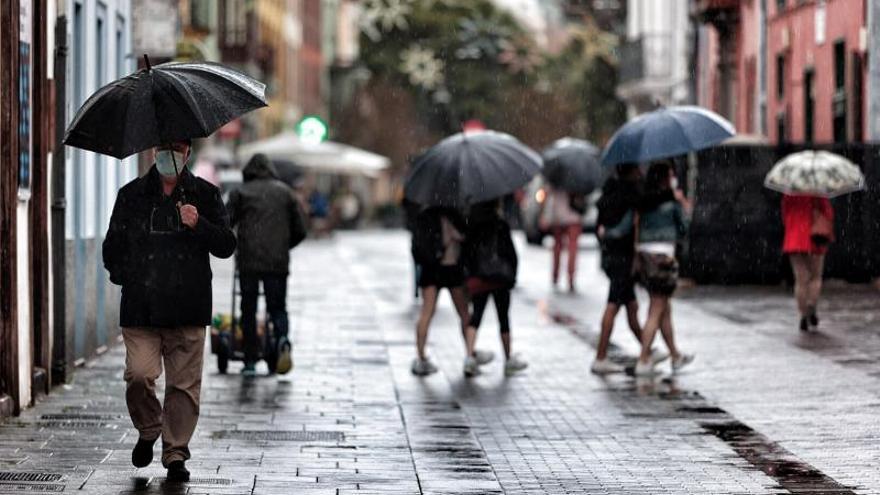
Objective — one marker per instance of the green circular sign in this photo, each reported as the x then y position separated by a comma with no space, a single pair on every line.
312,129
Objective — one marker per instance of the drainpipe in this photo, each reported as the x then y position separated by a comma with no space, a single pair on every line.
59,204
873,88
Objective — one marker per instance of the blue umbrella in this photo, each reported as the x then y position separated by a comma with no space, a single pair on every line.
666,132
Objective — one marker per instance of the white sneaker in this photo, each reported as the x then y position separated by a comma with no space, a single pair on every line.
423,367
514,364
682,361
645,369
606,367
471,367
483,357
658,356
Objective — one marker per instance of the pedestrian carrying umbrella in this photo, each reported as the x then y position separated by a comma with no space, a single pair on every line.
666,132
469,168
573,165
815,173
162,104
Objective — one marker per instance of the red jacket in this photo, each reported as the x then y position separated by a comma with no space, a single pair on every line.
797,217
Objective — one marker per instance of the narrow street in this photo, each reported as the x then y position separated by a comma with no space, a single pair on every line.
749,416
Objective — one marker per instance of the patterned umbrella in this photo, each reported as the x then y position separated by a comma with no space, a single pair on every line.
815,173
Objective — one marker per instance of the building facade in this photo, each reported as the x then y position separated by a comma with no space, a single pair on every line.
789,70
655,55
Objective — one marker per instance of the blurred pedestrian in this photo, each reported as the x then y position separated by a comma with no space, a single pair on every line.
164,227
491,262
437,246
661,223
267,218
562,214
411,211
615,229
809,229
319,214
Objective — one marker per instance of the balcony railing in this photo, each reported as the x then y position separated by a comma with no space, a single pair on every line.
647,57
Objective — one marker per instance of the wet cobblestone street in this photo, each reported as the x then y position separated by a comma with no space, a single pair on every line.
763,410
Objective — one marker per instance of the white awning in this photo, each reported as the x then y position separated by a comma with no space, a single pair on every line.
329,157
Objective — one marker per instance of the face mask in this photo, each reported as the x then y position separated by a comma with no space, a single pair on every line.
673,183
165,162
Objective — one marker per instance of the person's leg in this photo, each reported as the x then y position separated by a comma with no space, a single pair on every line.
667,332
557,252
249,283
501,297
429,304
817,266
632,317
275,287
574,232
143,365
800,266
608,317
479,307
183,355
655,314
460,301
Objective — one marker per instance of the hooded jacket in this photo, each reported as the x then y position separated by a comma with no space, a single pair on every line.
264,213
163,266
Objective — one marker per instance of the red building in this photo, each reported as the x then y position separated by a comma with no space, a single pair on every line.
791,70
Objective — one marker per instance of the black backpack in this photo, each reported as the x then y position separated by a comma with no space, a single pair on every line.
427,238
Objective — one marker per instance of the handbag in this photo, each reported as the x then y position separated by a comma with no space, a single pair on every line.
822,229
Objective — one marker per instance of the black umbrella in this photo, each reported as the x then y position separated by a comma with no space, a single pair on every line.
470,168
162,104
573,165
288,171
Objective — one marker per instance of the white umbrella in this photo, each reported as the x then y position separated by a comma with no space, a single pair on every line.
815,173
328,156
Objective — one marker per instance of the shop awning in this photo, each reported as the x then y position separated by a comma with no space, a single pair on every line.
328,156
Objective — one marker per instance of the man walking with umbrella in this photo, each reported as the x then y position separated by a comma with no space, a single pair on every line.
163,227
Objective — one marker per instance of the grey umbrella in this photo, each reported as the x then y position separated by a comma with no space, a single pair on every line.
469,168
162,104
573,165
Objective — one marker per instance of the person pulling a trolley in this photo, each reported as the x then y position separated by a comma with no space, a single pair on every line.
266,216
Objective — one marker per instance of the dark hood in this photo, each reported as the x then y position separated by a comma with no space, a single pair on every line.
259,167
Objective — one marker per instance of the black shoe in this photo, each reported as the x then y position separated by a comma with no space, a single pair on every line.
805,326
142,454
813,319
177,472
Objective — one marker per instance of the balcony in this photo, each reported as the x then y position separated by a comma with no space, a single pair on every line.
648,57
716,11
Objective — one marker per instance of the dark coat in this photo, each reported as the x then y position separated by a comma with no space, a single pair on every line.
266,216
163,266
619,197
489,252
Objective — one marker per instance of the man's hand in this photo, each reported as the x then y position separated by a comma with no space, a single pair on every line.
189,215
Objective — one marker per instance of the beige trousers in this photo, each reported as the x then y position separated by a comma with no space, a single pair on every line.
180,351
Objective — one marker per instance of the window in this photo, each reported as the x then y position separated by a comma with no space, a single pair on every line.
200,14
780,5
840,65
809,105
780,128
121,48
780,76
839,99
234,23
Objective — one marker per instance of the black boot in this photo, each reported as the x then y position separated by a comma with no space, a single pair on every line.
805,326
142,454
177,472
812,317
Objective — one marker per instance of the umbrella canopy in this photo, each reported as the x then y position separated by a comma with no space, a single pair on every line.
815,173
288,171
162,104
573,165
469,168
666,132
327,156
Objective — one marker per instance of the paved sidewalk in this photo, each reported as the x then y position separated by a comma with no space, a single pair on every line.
764,410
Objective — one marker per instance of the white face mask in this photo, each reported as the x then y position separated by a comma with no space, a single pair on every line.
673,182
165,160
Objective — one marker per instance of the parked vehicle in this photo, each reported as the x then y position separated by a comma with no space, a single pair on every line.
530,209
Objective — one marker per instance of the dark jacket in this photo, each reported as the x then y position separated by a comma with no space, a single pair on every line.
266,216
619,201
164,267
427,234
489,252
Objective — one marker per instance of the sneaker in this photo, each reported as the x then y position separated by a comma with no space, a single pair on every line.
682,361
483,357
177,472
249,370
285,358
645,369
605,367
142,454
514,365
658,356
423,367
471,366
805,325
